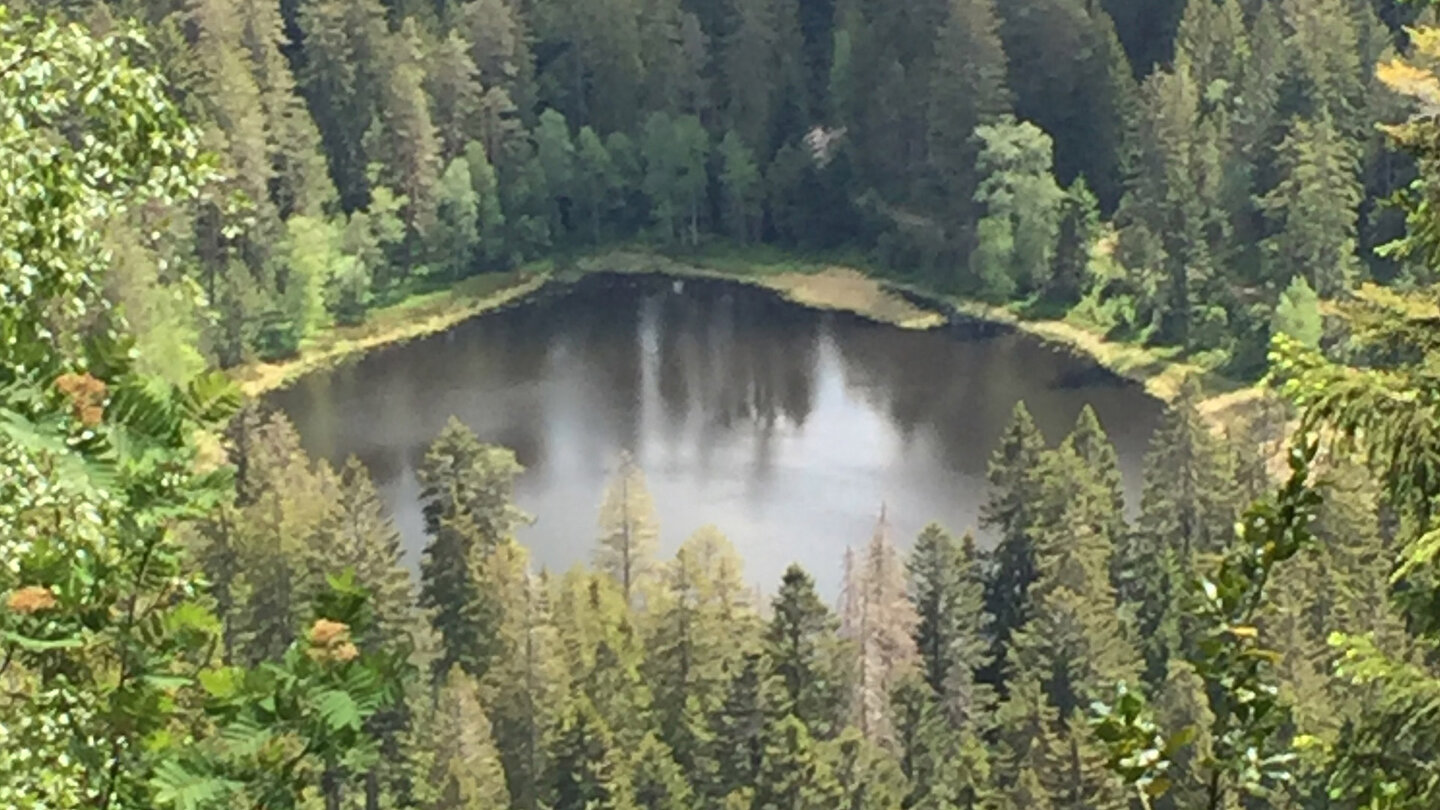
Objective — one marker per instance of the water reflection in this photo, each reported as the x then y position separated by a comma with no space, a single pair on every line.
784,427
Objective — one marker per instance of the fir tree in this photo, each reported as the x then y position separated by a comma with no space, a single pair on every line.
799,645
468,514
793,775
357,534
1007,512
587,770
659,783
967,89
737,729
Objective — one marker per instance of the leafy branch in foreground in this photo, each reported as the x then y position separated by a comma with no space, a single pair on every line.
1247,755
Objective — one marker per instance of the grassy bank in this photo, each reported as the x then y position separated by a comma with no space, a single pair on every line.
417,316
812,284
830,285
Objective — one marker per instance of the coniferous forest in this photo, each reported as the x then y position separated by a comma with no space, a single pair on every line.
198,616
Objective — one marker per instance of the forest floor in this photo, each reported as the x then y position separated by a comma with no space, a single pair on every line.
831,285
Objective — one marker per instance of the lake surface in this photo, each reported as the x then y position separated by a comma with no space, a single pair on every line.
785,427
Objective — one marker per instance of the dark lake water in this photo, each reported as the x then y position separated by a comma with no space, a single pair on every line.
784,427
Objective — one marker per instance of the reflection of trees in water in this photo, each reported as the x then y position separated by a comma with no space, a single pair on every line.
959,391
737,358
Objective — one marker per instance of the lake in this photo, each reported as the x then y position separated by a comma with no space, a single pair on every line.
785,427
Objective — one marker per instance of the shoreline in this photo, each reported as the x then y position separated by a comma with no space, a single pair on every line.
817,285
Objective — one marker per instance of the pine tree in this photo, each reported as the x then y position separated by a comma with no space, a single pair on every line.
967,89
793,775
452,82
358,534
403,139
587,771
466,772
1313,209
659,783
1006,511
737,729
466,489
799,645
628,530
947,588
524,685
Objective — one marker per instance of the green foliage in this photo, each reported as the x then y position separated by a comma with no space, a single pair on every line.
454,242
1298,314
1018,189
799,644
1247,756
469,513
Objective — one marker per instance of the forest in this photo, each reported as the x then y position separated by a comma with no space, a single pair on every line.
196,615
1183,174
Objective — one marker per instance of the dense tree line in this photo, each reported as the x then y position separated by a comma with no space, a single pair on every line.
1166,171
954,675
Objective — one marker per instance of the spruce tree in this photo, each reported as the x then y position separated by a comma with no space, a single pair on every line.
466,491
1007,512
658,781
1187,509
966,89
403,140
793,774
803,660
1092,445
701,628
490,224
524,685
596,181
358,534
737,729
1313,209
588,771
340,77
740,188
452,82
